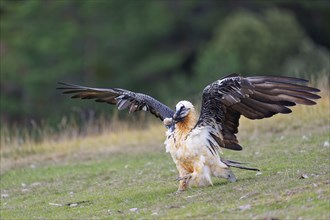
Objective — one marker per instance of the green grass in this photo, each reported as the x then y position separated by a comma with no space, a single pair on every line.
111,186
108,175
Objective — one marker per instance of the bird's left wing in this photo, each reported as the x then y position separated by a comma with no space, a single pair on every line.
122,98
225,100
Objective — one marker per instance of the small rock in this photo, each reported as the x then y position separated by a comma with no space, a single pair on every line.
303,176
243,197
326,144
174,207
305,138
54,204
5,195
74,204
23,185
133,209
154,213
258,173
245,207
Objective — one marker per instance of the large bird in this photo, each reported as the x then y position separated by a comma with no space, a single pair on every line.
195,142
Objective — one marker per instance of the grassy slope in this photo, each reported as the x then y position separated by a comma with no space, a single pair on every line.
109,174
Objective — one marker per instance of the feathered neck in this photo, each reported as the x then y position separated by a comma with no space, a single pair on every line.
185,126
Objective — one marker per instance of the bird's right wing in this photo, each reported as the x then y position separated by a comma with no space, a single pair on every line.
122,98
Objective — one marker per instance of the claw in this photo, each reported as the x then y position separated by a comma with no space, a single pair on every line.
231,177
185,178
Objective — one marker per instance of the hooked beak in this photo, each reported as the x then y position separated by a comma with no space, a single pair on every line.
180,114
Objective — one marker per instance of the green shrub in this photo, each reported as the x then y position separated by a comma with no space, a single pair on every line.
271,43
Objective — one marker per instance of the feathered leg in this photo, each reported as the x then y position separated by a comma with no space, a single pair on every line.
184,177
201,176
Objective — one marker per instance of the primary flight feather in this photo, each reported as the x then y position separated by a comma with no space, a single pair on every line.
195,142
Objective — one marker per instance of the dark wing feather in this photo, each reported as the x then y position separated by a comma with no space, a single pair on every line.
225,100
122,98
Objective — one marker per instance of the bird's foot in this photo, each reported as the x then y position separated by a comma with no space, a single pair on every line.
184,182
185,178
168,121
231,177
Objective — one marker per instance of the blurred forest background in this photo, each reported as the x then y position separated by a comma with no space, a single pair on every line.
168,49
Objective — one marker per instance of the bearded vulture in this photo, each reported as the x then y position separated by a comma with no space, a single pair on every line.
195,142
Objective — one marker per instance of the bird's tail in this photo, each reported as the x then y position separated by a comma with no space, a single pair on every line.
237,164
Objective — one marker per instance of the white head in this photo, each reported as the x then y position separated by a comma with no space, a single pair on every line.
182,109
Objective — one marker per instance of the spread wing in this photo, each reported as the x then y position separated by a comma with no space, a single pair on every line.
225,100
124,99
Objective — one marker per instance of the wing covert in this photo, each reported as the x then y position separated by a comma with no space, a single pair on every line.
124,99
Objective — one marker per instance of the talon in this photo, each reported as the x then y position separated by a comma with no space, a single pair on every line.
185,178
168,121
231,177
